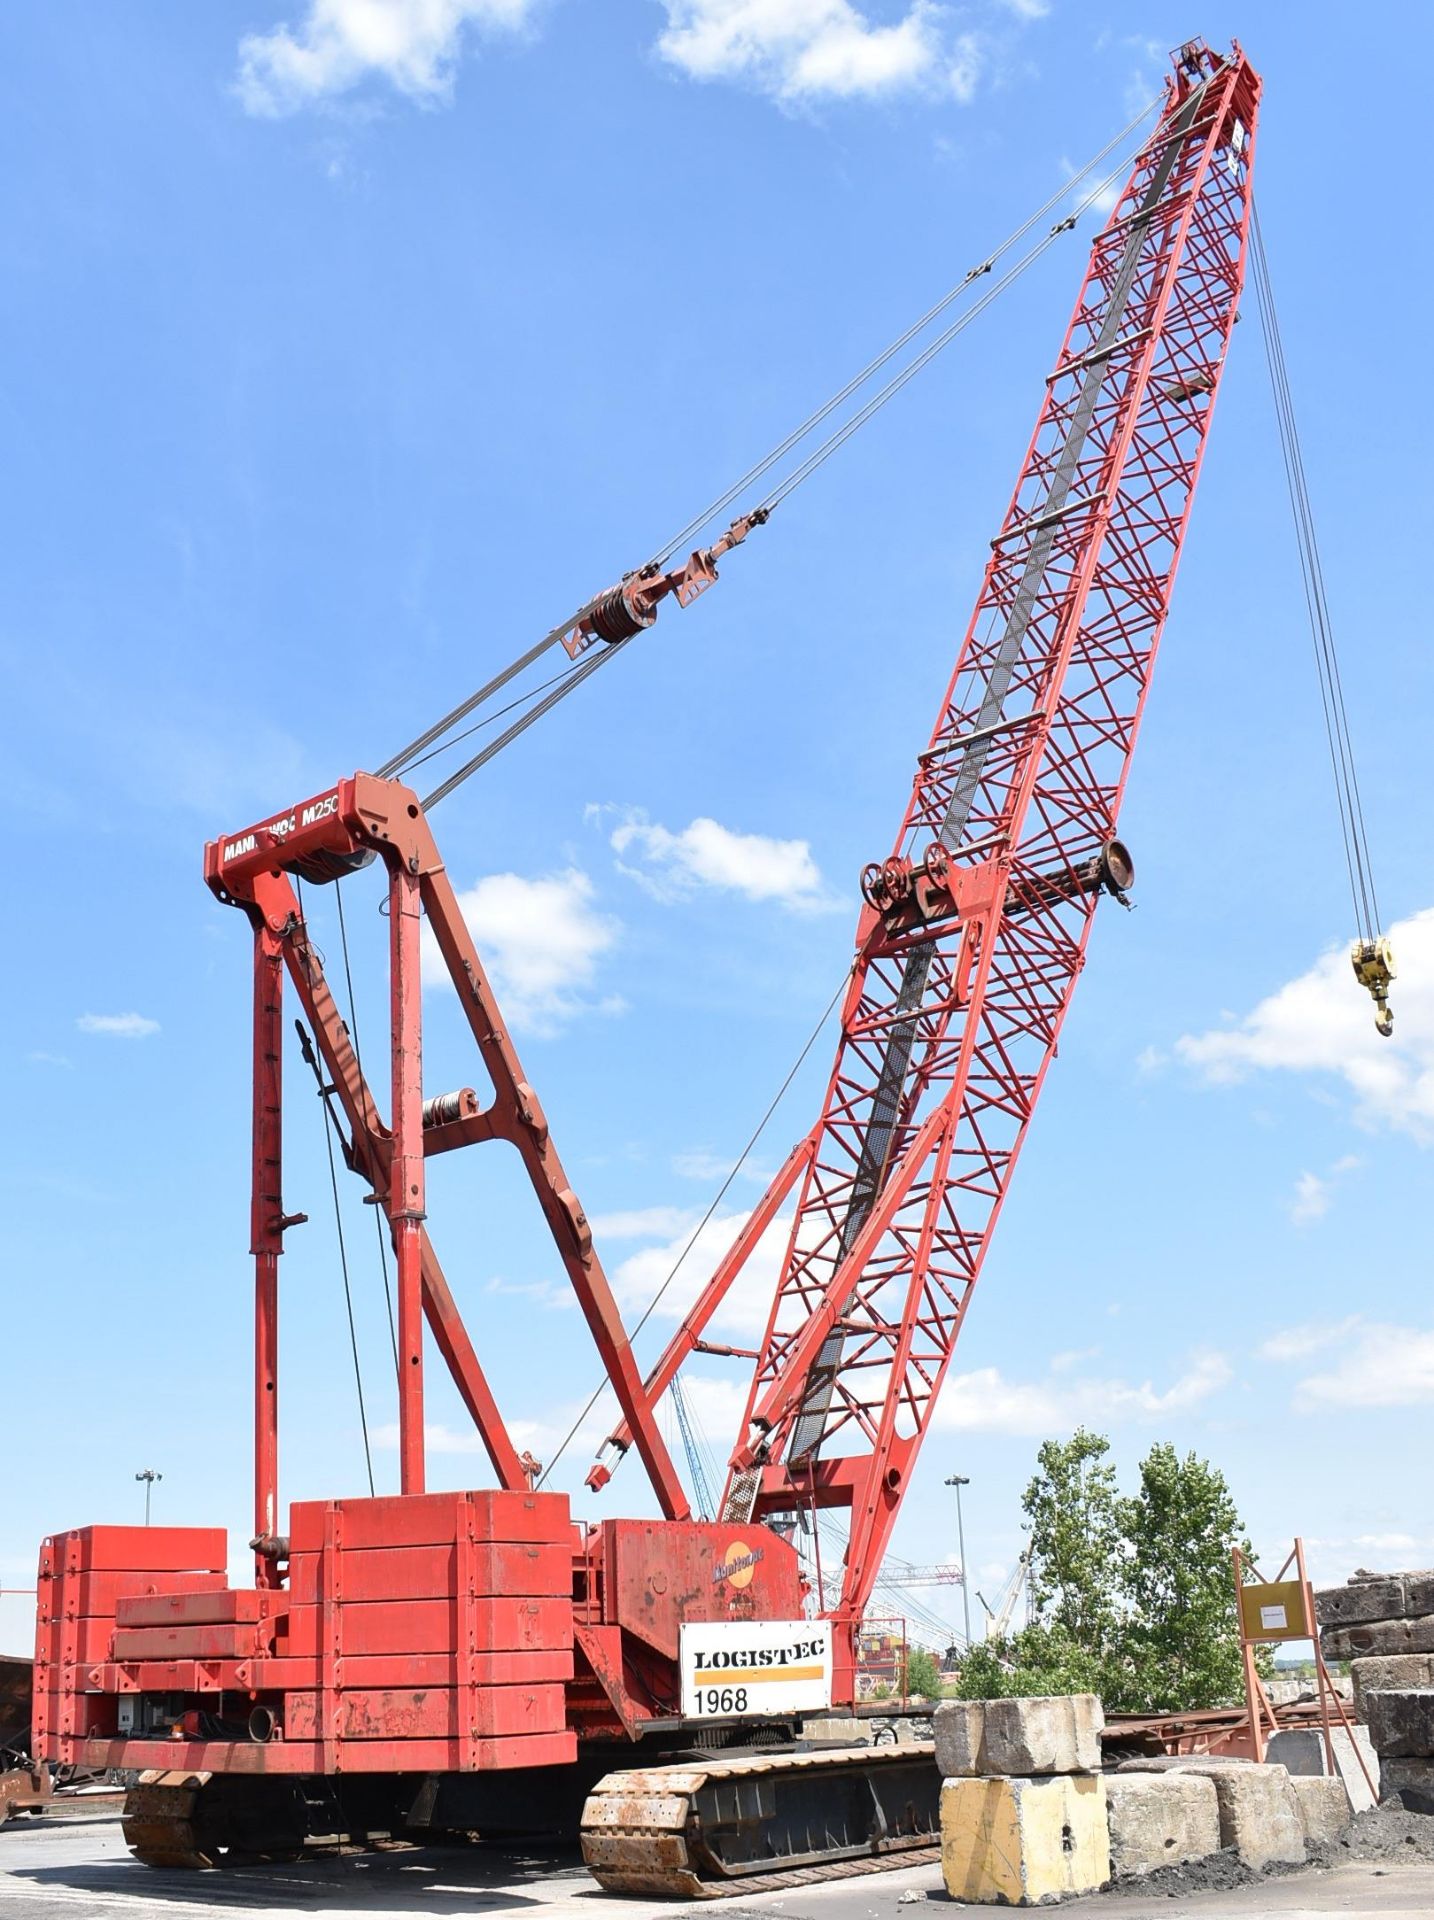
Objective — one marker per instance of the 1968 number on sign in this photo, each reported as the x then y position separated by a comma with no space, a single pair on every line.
755,1667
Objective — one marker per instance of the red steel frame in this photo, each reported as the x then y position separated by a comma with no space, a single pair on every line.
976,926
968,950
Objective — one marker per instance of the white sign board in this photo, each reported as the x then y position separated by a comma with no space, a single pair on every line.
736,1667
1274,1619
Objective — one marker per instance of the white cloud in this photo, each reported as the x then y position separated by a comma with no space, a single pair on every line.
809,50
642,1223
986,1402
1311,1201
540,941
706,854
413,44
1314,1192
1323,1023
1096,196
118,1026
743,1312
1378,1365
1296,1343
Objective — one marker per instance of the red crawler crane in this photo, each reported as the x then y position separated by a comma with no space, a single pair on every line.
473,1660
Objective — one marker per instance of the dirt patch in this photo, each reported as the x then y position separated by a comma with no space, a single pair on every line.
1383,1833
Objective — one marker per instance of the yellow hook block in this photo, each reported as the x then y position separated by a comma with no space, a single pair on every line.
1373,963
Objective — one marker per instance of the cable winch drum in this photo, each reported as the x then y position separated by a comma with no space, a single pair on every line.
618,617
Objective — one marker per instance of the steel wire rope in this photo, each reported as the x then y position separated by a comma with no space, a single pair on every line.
330,1127
358,1060
873,367
567,681
432,735
928,353
1336,718
716,1202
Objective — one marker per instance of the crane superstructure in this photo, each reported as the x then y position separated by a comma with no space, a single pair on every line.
476,1659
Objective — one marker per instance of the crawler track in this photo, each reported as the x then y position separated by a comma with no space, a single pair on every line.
161,1821
763,1822
196,1820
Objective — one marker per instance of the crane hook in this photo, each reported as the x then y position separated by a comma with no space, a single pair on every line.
1373,963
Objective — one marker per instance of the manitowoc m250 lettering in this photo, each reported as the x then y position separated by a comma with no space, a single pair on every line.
478,1660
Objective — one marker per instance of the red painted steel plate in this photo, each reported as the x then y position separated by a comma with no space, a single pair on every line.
431,1573
430,1626
219,1606
188,1643
146,1549
306,1756
432,1519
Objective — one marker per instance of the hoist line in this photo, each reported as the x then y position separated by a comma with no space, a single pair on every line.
927,354
358,1060
873,367
330,1128
330,1124
1336,718
432,737
716,1202
530,693
564,683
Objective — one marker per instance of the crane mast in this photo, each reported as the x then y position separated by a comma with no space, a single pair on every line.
974,927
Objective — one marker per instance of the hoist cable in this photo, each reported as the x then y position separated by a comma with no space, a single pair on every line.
358,1061
1336,718
432,738
531,693
330,1123
717,1199
873,367
567,682
331,1126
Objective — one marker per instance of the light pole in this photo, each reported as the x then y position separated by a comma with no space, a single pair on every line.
959,1480
149,1476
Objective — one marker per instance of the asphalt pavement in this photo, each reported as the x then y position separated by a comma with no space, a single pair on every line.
65,1870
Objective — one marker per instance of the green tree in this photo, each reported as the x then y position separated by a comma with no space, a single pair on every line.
1038,1660
923,1674
1181,1634
1133,1598
1075,1547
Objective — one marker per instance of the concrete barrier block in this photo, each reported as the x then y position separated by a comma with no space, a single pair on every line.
960,1728
1419,1592
1259,1814
1348,1606
1407,1782
1178,1762
1380,1672
1401,1722
1325,1812
1059,1734
1297,1749
1160,1820
1379,1637
1019,1842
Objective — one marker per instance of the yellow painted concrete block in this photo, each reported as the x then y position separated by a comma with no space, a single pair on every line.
1018,1842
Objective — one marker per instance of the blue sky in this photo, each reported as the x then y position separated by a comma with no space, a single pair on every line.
349,347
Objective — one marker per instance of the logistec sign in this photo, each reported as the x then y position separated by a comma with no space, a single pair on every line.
736,1667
